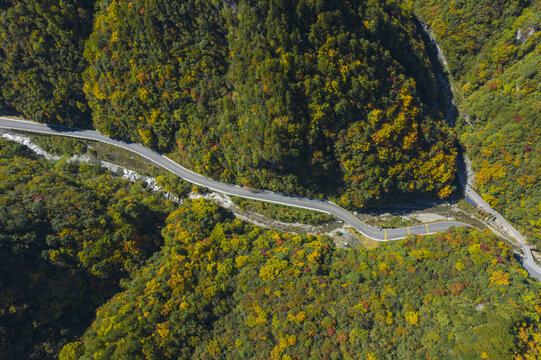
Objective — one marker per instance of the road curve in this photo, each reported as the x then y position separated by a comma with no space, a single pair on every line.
262,195
528,262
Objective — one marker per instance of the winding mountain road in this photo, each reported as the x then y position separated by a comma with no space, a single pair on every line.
284,199
262,195
529,263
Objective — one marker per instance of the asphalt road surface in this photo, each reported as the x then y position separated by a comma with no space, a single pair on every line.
503,225
263,195
284,199
529,264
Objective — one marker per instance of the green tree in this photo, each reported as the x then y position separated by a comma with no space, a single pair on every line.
41,45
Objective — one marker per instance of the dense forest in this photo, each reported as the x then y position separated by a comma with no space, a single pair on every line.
68,234
300,96
290,95
77,243
223,289
41,59
493,50
335,97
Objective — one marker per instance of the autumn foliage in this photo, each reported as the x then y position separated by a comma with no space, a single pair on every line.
493,52
223,289
295,96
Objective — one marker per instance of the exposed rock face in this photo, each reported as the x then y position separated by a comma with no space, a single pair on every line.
525,33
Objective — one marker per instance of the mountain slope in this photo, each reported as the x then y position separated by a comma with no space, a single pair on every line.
221,289
494,55
68,234
41,59
297,96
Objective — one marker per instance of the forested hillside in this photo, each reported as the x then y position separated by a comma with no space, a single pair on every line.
220,288
41,59
301,96
294,96
68,234
223,289
493,50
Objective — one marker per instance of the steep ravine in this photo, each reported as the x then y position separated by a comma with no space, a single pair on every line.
465,173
